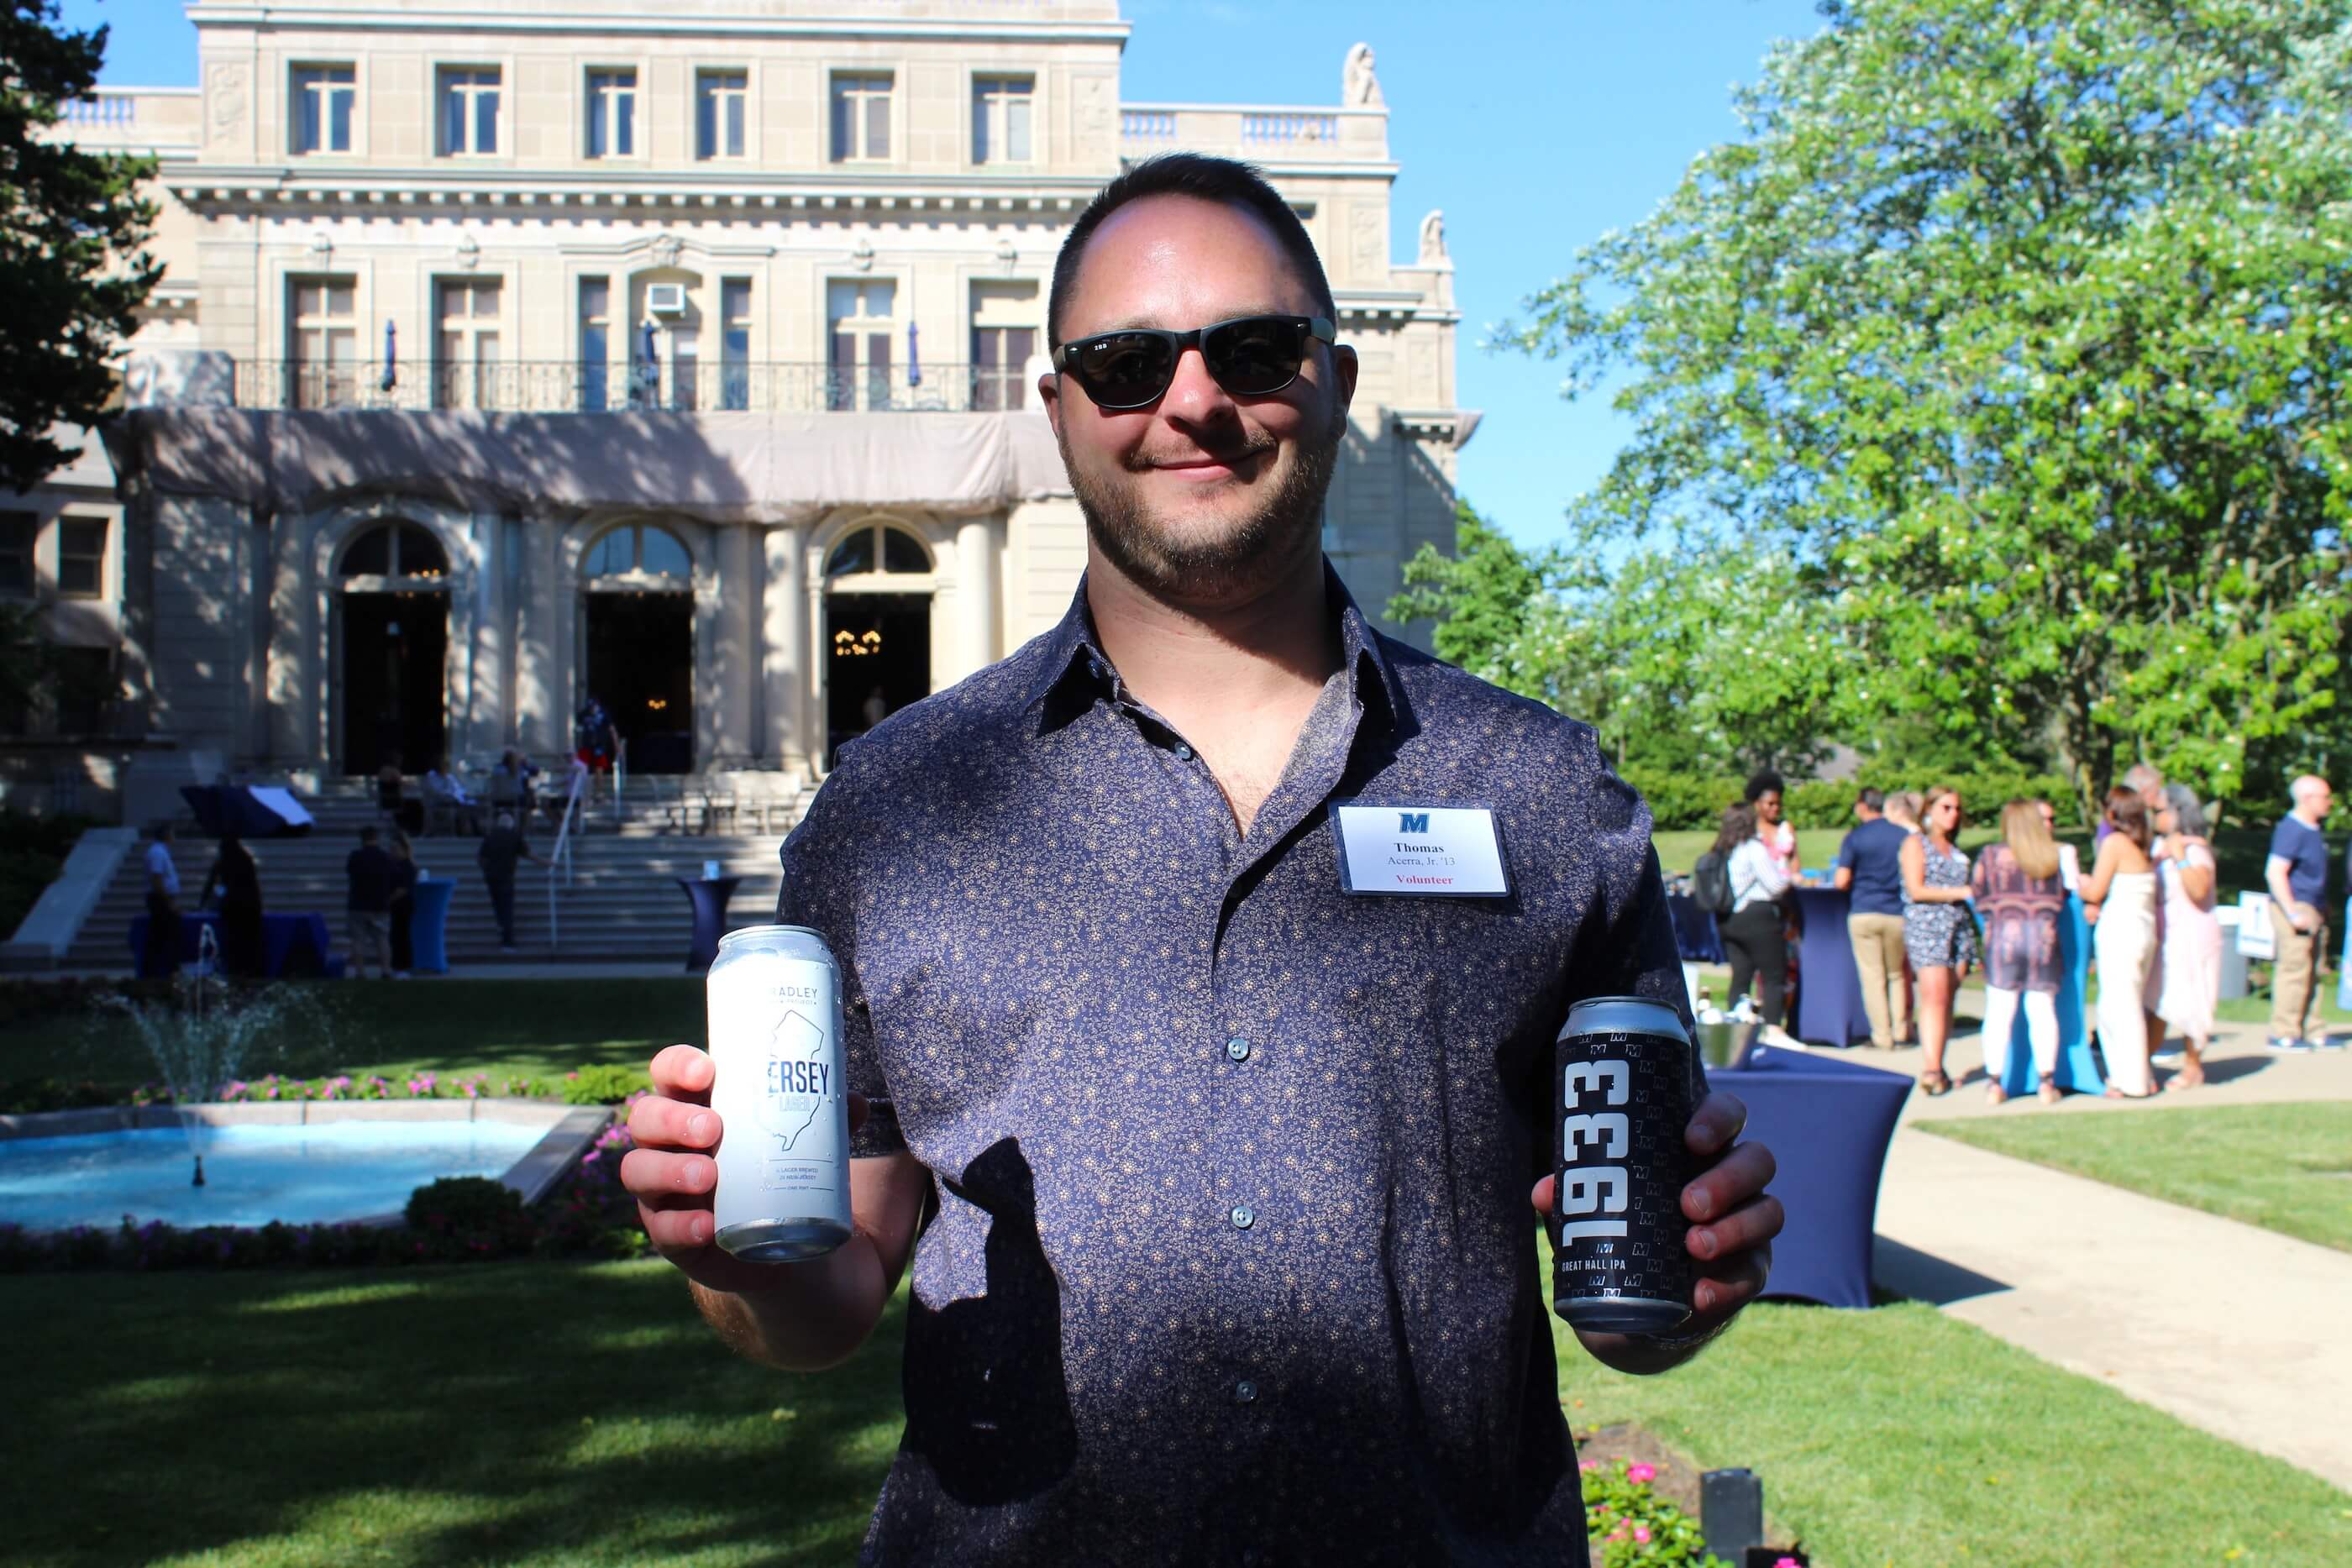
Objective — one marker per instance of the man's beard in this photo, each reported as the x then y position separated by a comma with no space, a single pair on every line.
1257,547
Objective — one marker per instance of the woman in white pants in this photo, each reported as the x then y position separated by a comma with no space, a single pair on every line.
2122,887
2020,898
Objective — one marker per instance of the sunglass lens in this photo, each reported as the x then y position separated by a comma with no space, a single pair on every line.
1257,355
1125,370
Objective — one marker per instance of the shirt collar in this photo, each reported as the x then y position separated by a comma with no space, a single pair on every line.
1074,663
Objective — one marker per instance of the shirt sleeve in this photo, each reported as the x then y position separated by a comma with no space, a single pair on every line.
820,892
2282,843
1845,852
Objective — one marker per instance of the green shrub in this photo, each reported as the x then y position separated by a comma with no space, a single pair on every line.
1679,800
471,1216
1684,799
607,1085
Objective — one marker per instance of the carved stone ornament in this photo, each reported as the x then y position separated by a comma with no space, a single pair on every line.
322,246
861,256
227,99
666,250
1005,253
1359,88
1432,238
469,252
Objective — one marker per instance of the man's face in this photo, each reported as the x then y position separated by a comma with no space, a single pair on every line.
1200,493
2318,802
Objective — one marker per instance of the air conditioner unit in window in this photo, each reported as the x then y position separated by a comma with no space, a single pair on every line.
666,299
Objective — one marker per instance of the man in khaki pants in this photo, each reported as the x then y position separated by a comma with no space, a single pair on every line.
2297,873
1870,872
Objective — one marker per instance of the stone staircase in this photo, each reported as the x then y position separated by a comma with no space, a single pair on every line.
619,902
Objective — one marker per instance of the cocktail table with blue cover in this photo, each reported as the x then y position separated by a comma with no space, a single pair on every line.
1697,938
1829,986
428,924
2344,968
709,894
282,937
1828,1121
2078,1069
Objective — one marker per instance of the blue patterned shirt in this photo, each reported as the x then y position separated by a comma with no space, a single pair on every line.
1233,1259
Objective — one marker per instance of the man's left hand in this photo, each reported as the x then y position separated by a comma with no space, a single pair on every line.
1732,1220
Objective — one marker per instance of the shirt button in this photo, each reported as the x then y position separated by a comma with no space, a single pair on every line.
1237,1050
1245,1392
1184,752
1243,1216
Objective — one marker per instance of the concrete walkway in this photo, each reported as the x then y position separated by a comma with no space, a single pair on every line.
2239,1330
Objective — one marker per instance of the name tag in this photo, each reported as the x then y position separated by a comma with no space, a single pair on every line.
1427,852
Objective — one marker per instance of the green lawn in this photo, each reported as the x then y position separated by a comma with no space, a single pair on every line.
553,1414
2285,1167
538,1027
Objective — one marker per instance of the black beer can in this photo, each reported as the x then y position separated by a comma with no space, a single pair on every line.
1623,1078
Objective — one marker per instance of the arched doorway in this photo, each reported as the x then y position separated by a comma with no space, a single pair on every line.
638,625
394,609
877,628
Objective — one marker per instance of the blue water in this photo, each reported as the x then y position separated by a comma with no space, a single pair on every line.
253,1175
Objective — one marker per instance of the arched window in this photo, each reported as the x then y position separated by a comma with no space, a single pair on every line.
879,548
640,550
395,550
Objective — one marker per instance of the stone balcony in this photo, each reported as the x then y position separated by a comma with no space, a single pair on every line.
1270,134
135,119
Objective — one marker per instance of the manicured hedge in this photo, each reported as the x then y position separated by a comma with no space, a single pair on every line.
1682,800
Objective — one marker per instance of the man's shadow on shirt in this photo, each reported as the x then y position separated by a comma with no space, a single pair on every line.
993,1417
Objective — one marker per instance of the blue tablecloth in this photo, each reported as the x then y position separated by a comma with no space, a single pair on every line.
299,940
1828,1121
2344,968
1695,937
709,894
1829,986
2078,1069
428,924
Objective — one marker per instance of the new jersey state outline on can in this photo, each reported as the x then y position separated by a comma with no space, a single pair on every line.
1622,1088
783,1109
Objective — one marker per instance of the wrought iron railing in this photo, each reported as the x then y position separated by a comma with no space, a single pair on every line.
539,386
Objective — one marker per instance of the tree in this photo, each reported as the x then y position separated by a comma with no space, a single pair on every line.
2024,324
1481,596
73,230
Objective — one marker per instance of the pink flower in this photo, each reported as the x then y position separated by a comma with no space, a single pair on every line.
1786,1563
1641,1533
1588,1466
1641,1472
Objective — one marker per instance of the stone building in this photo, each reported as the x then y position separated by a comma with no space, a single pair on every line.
682,355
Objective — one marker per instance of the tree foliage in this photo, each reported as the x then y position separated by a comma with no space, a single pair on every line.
73,231
2023,323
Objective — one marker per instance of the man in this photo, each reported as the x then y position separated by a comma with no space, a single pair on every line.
2145,779
2297,872
368,876
501,849
161,957
443,787
1233,1253
1870,871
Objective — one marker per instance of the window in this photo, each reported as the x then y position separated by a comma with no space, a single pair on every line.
685,367
323,335
735,343
1000,119
1004,336
82,558
18,531
466,348
395,550
860,359
84,689
899,552
721,99
468,110
324,97
639,550
595,343
612,114
861,117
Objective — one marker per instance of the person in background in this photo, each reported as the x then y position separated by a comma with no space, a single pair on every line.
2145,779
2189,966
496,857
2297,874
877,708
443,787
1938,935
1903,809
596,740
1870,872
2020,895
404,904
1755,934
2122,887
1764,796
161,957
367,906
2069,866
243,951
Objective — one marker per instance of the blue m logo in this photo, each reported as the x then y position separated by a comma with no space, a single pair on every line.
1412,822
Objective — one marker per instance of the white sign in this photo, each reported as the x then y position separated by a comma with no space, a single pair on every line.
2254,936
1426,851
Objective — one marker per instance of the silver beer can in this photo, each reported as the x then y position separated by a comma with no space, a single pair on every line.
775,995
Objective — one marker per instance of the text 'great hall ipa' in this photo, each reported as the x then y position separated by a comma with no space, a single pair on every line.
1622,1075
784,1111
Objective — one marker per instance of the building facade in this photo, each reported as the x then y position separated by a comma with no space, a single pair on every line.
681,355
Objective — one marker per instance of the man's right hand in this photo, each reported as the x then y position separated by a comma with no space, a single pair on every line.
672,1173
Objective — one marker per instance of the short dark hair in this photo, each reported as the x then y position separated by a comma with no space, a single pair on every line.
1761,782
367,835
1874,800
1224,180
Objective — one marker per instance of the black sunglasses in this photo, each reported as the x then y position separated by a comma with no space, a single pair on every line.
1250,356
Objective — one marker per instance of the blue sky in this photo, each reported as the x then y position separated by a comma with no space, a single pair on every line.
1535,126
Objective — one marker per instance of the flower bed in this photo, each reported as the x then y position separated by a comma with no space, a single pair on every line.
1631,1526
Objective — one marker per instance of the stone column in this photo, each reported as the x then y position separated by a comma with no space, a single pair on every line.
978,544
737,674
293,678
538,652
784,650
